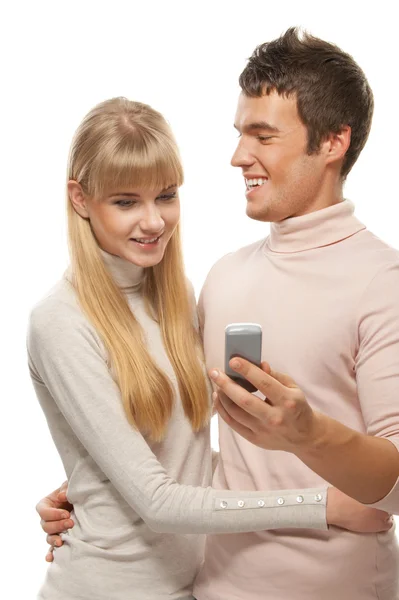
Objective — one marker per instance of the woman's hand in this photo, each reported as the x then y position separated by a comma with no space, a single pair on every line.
347,513
54,511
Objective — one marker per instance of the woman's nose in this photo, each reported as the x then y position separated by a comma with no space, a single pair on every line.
151,221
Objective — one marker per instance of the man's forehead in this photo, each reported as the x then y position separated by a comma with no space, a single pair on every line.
277,111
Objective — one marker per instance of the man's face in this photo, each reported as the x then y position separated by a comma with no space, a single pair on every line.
282,180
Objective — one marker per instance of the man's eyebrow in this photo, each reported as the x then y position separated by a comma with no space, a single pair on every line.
257,126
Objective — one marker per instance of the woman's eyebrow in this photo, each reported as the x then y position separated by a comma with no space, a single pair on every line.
135,195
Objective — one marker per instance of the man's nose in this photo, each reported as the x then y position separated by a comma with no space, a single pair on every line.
242,157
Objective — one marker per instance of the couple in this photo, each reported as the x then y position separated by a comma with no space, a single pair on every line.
116,359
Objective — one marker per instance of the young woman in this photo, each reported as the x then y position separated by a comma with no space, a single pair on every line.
117,366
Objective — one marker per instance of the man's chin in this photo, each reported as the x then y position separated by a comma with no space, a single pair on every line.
268,212
260,213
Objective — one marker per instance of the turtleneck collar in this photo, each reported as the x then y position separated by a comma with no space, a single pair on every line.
127,276
314,230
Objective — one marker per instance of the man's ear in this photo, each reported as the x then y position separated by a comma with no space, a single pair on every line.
337,144
77,198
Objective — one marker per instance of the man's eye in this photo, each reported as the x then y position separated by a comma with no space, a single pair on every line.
264,138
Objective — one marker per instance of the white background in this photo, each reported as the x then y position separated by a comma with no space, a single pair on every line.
58,59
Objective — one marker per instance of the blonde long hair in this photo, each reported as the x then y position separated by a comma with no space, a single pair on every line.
119,143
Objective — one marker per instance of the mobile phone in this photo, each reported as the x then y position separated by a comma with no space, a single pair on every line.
243,340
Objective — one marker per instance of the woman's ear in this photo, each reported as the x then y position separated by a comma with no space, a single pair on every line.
77,198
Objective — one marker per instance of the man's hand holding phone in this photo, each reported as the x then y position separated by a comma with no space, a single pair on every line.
285,421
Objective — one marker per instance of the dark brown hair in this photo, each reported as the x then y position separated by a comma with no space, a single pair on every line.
331,89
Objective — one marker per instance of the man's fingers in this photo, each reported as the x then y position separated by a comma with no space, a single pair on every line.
63,502
49,513
56,527
50,555
240,429
236,413
261,379
266,367
251,404
62,497
54,540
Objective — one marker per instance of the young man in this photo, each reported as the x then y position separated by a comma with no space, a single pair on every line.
326,292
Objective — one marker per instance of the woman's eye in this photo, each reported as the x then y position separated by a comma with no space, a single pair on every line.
167,197
124,203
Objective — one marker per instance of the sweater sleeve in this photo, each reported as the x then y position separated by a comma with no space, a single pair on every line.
377,365
66,357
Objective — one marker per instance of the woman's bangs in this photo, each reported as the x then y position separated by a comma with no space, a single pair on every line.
155,167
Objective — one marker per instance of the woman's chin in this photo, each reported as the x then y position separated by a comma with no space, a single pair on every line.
145,260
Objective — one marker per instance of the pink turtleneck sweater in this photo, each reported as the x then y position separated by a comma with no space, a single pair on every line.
326,292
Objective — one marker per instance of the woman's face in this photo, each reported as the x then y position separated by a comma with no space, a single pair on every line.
135,223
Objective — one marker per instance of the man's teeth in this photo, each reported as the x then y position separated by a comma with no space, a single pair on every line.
255,182
145,241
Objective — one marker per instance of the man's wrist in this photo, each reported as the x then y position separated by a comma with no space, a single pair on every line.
326,437
316,438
